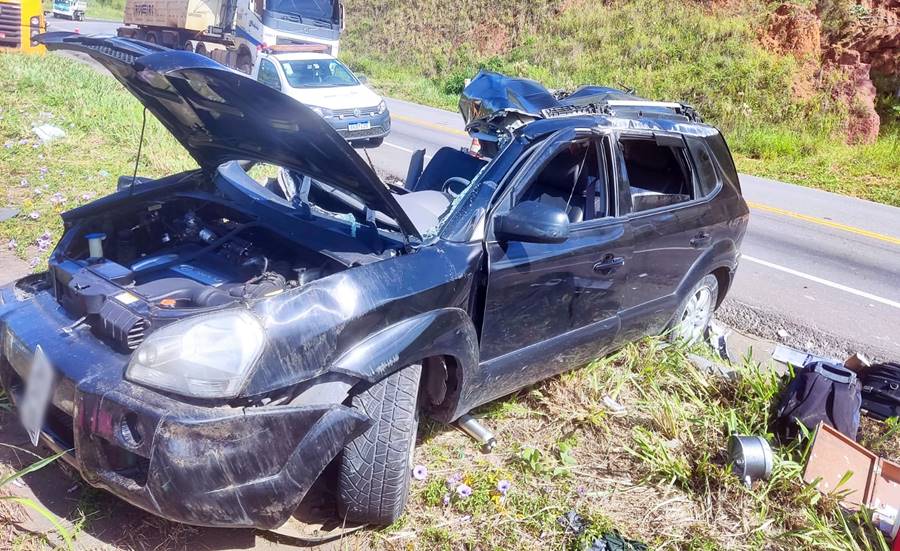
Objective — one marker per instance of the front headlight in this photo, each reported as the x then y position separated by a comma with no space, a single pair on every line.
203,357
382,107
321,111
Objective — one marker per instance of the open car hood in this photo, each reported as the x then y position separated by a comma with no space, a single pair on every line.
221,115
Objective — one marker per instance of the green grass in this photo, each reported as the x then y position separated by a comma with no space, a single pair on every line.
102,124
111,10
684,52
658,473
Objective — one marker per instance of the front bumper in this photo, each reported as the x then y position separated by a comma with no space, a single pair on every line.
207,466
379,126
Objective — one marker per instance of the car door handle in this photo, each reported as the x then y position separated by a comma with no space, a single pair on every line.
608,264
700,239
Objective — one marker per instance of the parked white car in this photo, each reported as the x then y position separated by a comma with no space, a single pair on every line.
326,85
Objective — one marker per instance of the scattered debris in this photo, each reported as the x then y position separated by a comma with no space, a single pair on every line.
613,406
717,335
47,132
794,357
783,334
712,368
8,212
479,432
613,541
572,523
838,465
750,457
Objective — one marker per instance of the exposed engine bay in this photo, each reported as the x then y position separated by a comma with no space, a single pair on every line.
147,267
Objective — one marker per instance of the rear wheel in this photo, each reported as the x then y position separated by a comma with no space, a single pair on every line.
696,311
373,479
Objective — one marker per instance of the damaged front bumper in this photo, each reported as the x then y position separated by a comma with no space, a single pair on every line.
206,466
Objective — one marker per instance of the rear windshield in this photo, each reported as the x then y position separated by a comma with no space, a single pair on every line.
317,73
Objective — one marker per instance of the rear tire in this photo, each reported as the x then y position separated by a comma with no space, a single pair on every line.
373,479
693,316
152,37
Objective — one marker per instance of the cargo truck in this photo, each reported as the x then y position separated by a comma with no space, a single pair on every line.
232,31
20,22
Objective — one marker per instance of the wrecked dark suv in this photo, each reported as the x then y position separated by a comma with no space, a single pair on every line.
206,343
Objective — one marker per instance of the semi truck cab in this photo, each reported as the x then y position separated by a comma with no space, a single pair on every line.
20,22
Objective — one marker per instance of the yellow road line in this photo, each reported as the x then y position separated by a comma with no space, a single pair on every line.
759,206
827,223
426,124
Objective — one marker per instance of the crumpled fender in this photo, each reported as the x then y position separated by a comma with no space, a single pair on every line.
444,332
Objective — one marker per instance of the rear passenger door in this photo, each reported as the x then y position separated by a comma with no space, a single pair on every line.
661,198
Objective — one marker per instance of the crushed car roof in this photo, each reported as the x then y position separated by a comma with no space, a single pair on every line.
221,115
493,103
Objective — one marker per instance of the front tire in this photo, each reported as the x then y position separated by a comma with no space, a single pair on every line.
373,479
695,313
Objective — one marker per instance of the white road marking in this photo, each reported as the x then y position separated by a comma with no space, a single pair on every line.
825,282
406,149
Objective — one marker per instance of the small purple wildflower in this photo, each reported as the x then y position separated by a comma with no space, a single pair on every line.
11,244
581,491
37,191
446,500
23,142
34,215
463,491
503,486
57,198
420,472
43,171
453,480
87,196
43,242
8,144
34,262
23,182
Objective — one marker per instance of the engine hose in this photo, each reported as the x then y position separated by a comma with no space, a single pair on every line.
212,246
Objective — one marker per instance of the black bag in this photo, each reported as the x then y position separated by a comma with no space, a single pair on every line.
820,391
881,390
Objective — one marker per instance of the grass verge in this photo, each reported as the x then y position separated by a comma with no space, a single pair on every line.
101,122
658,473
705,56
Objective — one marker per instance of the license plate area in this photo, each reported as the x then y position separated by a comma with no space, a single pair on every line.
358,126
38,392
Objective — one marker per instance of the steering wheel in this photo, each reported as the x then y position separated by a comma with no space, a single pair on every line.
455,185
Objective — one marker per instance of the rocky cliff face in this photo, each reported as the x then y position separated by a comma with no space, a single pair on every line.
839,47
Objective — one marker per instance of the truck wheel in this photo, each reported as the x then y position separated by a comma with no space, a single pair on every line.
201,49
152,37
373,479
695,313
79,16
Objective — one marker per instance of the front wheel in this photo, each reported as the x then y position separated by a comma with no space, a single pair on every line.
373,480
695,313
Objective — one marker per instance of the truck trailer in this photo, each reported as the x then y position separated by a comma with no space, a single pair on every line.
232,31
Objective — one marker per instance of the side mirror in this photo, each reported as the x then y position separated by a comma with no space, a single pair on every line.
532,222
363,79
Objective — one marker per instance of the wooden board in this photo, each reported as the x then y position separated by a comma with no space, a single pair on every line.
833,455
195,15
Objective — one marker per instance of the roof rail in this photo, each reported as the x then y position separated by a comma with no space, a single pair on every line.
618,107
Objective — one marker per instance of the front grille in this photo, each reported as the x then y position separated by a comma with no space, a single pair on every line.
10,25
135,335
363,112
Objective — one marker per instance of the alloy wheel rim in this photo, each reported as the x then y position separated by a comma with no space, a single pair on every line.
696,316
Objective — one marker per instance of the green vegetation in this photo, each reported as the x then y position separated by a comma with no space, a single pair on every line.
657,473
708,57
97,9
102,124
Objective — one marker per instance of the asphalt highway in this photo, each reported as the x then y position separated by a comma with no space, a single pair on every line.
819,270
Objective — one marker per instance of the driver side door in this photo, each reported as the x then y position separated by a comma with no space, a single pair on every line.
550,307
